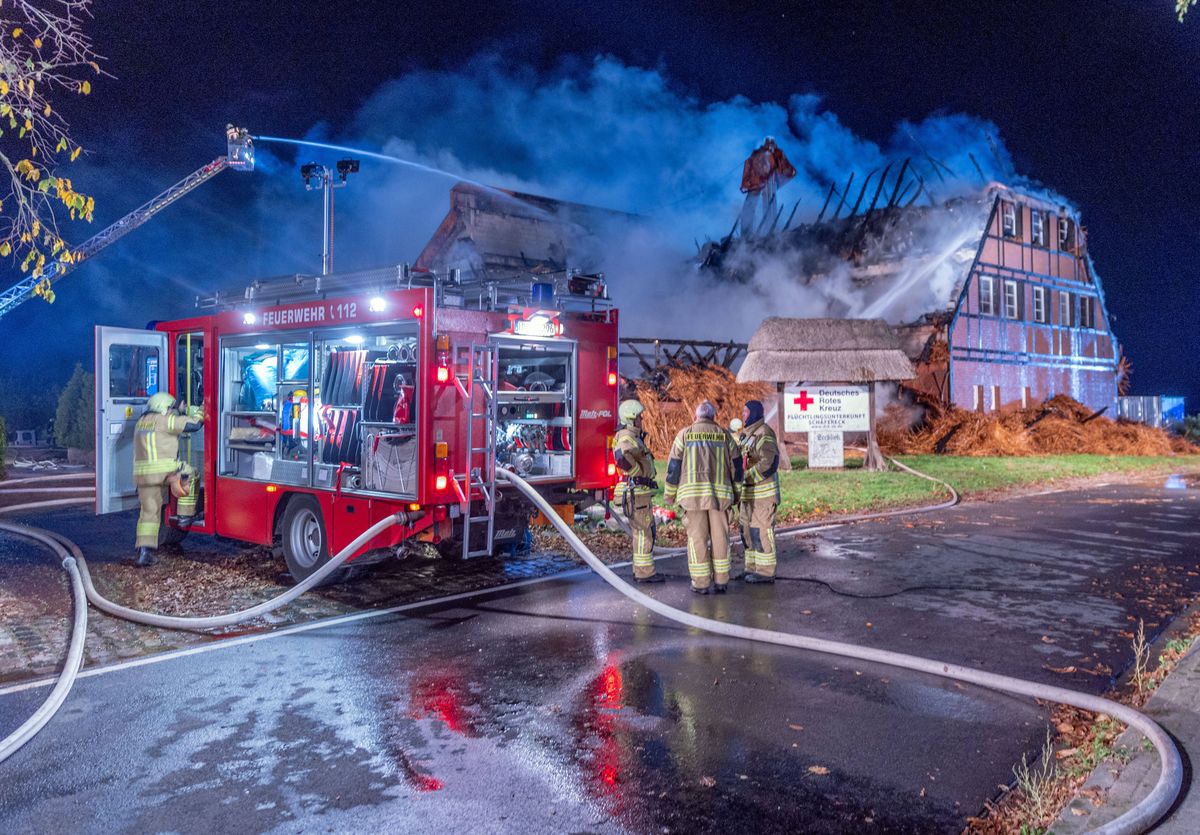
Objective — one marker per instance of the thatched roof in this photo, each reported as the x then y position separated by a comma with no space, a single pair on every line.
825,351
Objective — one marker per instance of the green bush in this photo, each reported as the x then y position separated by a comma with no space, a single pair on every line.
1190,428
75,420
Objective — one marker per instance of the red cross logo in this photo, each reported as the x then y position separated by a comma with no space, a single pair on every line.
804,401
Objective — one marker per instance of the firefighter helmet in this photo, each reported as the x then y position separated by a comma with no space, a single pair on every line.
162,402
629,411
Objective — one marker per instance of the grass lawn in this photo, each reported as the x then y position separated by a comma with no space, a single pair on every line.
811,493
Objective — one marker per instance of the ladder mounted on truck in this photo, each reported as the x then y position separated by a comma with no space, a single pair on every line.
240,157
482,380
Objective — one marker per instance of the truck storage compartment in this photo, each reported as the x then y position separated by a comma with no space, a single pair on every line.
535,396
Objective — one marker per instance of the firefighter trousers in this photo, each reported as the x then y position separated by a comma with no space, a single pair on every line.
152,497
708,546
758,535
640,512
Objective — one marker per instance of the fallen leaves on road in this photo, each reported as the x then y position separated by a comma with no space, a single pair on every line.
708,781
795,727
818,769
1063,670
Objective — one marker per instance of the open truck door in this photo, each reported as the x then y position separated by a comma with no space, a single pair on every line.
130,367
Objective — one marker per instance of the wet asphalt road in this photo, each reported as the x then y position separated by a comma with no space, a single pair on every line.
559,707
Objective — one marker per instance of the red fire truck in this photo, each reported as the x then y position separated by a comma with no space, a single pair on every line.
333,401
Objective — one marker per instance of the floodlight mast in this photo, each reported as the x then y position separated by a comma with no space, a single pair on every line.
240,157
322,177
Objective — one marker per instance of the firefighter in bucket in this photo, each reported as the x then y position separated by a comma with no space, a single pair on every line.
157,468
635,491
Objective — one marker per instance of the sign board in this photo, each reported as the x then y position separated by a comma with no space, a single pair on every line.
827,408
826,449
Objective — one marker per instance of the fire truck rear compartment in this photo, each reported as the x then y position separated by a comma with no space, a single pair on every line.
534,407
330,410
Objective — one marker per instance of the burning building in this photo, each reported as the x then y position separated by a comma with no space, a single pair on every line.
993,294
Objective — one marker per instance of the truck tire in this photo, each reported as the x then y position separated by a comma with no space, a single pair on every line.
168,535
304,540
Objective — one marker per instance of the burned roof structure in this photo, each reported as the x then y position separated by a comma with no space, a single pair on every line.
994,295
493,233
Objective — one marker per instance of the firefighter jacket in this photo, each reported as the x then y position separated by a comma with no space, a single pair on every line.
704,471
761,449
765,162
156,446
634,462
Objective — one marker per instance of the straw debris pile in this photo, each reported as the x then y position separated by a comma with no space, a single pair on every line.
673,406
1060,425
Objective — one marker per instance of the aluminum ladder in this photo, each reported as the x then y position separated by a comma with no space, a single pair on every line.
482,375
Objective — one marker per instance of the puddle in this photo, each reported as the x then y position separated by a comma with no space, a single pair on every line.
1176,482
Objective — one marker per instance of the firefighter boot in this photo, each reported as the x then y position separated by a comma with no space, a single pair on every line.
146,557
758,578
653,578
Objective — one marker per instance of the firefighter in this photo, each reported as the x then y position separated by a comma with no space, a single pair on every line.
760,494
636,489
703,475
765,171
157,468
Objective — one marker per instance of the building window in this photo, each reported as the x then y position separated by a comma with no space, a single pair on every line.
987,295
1087,312
995,398
1008,212
1039,305
1012,300
977,396
1037,226
1066,233
1065,310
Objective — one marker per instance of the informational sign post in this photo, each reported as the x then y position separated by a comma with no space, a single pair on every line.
826,449
827,408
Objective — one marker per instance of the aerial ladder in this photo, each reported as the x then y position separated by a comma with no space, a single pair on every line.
240,157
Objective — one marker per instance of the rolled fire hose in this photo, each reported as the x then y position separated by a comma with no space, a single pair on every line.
1138,819
29,728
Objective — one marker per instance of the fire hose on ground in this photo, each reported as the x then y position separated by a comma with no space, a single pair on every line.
1136,820
82,589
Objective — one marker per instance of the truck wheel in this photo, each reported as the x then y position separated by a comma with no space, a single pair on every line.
305,544
168,535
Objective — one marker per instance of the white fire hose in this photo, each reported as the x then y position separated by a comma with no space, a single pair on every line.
81,586
1137,820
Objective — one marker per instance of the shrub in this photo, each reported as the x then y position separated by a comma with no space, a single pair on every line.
75,420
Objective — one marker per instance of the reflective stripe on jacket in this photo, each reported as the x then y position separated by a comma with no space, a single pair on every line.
705,468
156,446
633,460
762,462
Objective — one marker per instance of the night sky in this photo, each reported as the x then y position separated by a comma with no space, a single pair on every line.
1099,101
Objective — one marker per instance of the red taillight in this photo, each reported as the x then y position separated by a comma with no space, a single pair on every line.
612,378
612,469
443,374
440,483
612,367
418,312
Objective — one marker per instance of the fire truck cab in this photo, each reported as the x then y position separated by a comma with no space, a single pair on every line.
333,401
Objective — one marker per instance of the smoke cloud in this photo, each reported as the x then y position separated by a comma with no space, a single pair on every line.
597,132
620,137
